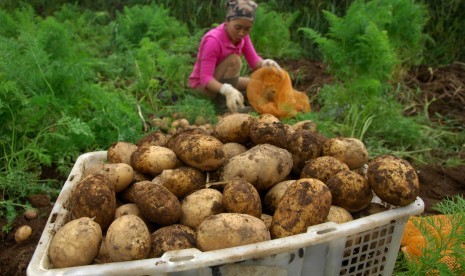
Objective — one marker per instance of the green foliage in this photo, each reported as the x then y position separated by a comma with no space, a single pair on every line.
271,34
193,106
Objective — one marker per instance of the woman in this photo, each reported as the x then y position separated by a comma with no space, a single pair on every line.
218,65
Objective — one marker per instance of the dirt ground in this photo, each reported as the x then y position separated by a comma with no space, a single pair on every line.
442,91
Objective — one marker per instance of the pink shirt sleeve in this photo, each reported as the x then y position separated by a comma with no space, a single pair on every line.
214,48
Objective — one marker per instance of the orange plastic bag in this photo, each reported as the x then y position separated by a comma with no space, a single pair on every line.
270,91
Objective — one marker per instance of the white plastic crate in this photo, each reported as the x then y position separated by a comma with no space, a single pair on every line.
365,246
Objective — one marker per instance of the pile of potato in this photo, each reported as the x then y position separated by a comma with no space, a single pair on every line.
247,180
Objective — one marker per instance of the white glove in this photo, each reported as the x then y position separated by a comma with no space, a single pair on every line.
270,63
234,98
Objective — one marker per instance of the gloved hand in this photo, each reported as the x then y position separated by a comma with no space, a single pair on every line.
270,63
234,98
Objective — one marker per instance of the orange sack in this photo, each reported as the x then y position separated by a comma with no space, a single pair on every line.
270,91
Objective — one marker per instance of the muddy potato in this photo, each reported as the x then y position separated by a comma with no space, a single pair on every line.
267,220
155,138
322,168
234,128
156,203
306,125
119,174
178,136
350,190
339,215
200,205
120,152
274,133
262,166
181,181
304,146
351,151
128,239
233,149
273,196
153,160
230,229
203,152
393,180
170,238
23,233
127,209
76,243
268,118
239,196
94,197
305,203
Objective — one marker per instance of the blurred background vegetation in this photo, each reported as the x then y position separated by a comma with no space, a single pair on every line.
76,76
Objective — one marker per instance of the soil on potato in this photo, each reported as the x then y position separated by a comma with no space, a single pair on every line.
442,92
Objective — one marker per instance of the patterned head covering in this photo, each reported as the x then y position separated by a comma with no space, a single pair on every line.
243,9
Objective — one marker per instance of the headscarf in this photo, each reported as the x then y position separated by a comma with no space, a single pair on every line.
240,9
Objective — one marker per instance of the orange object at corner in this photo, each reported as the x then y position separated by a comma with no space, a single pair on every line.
270,92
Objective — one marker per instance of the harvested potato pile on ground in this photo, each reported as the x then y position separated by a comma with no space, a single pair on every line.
244,180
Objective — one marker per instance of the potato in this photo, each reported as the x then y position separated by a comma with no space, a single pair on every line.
128,209
181,181
233,149
23,233
267,118
322,168
230,229
305,203
94,197
119,174
339,215
304,146
120,152
76,243
128,239
351,151
234,128
306,125
273,196
172,237
267,220
178,136
103,256
200,205
31,213
269,133
153,160
156,203
262,166
203,152
239,196
393,180
350,190
155,138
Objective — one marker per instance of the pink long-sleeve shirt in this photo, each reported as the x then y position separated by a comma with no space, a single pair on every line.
214,47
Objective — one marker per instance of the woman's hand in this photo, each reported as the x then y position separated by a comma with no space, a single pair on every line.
234,98
270,63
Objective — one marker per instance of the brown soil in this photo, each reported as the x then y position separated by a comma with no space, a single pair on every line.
442,91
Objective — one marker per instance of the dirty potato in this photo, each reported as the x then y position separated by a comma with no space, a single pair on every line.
94,197
305,203
275,133
203,152
306,125
153,160
304,146
155,138
128,239
339,215
262,166
119,174
233,149
393,180
350,190
156,203
200,205
239,196
230,229
351,151
273,196
170,238
120,152
181,181
234,128
76,243
322,168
